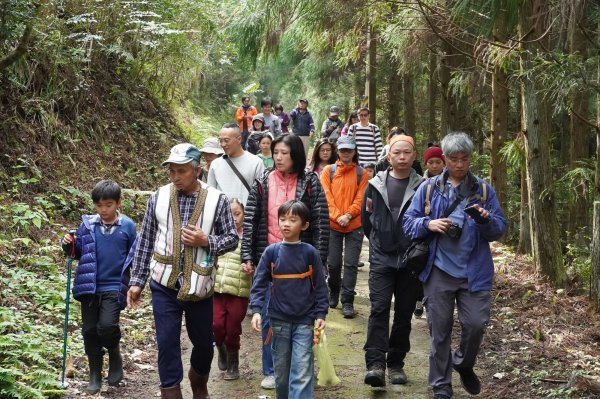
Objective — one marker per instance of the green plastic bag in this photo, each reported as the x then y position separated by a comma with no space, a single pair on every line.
326,376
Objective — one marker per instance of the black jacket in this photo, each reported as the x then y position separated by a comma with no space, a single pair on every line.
387,241
310,192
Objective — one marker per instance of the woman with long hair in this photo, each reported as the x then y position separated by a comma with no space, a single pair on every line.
352,119
324,154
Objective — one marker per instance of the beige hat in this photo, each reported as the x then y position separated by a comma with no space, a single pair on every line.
211,146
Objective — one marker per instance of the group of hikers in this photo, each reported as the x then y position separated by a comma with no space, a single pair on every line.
269,236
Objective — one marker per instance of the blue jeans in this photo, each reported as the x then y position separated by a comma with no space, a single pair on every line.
168,312
267,357
291,344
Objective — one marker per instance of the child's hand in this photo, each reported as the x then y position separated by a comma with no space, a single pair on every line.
320,324
248,268
256,322
68,239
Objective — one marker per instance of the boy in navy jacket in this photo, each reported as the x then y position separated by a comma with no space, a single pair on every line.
103,244
292,270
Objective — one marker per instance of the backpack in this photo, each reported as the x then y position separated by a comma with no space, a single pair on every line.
308,259
359,172
427,205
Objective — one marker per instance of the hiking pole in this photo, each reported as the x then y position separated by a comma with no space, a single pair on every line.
63,384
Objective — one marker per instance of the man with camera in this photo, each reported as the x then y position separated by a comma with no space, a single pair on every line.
332,126
387,197
459,268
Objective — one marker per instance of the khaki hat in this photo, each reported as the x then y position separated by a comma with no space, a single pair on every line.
211,146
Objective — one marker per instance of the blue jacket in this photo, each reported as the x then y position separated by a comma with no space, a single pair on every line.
85,252
480,266
303,123
296,300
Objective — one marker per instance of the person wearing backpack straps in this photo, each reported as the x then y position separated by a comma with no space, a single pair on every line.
344,184
292,273
460,268
367,136
387,198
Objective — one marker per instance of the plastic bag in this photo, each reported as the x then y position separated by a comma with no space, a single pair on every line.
326,376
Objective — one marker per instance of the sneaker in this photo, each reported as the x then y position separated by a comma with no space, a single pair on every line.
361,264
375,377
348,311
469,380
440,396
397,376
419,309
268,382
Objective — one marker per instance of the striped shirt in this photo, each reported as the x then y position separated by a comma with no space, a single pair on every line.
224,235
368,142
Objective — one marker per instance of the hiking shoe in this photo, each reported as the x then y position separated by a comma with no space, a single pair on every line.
418,309
361,264
268,382
397,376
348,311
440,396
334,299
469,380
375,377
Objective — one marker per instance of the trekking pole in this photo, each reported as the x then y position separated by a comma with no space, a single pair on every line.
63,384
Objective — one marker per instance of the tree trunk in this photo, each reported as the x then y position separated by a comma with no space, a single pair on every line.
372,75
394,90
454,107
595,273
525,228
410,124
580,130
545,242
432,132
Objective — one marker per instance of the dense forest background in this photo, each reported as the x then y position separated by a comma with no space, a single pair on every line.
101,89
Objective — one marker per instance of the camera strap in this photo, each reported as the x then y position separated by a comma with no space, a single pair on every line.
459,197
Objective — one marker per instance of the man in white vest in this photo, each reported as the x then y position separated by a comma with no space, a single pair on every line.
187,225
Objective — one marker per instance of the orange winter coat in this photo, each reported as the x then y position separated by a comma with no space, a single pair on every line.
344,194
239,117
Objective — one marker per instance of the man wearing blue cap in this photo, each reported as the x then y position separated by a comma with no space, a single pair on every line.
187,225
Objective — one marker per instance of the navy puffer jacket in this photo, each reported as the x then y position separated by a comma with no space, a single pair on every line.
85,251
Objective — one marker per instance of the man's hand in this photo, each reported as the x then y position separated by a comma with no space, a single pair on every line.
343,220
439,225
256,322
134,297
193,237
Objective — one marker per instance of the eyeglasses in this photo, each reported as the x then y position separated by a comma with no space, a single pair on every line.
363,115
345,150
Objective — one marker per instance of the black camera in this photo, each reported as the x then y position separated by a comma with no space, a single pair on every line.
454,231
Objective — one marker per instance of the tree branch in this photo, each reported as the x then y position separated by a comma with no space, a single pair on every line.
19,51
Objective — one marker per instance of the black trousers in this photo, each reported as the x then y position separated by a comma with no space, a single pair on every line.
384,347
100,321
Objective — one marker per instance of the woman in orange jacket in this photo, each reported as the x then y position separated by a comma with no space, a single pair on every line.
243,116
344,184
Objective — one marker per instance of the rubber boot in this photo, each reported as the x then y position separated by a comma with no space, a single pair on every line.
95,363
233,362
115,366
171,393
199,384
222,359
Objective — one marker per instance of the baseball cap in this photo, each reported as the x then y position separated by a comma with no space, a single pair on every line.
346,142
182,154
302,100
334,111
211,146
